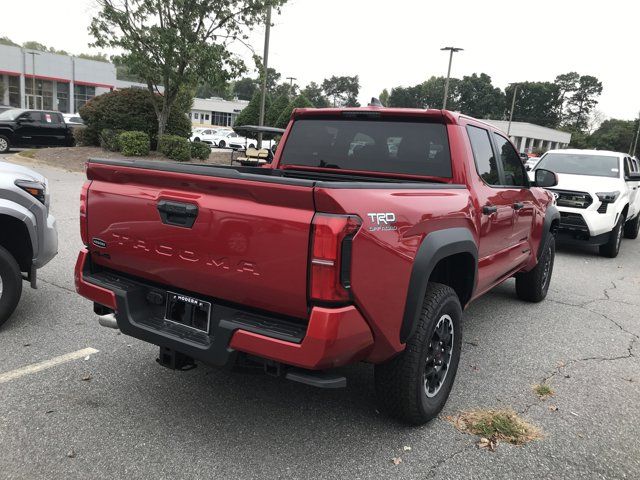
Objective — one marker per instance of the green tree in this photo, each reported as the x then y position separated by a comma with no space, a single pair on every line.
250,115
432,93
406,97
613,134
342,90
33,45
133,109
96,57
245,88
384,97
275,109
536,102
8,41
479,98
313,92
176,43
568,84
299,102
583,100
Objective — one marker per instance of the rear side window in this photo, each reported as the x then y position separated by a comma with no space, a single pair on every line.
389,146
514,175
483,153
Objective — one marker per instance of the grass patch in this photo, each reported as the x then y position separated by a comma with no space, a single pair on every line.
28,153
543,390
503,425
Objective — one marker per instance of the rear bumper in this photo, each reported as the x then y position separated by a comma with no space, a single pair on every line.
332,337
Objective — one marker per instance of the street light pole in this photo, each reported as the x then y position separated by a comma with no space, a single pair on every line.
265,67
513,105
452,50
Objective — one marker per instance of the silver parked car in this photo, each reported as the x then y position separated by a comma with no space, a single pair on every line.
28,235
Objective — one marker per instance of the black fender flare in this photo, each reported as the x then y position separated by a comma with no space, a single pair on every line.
550,215
435,246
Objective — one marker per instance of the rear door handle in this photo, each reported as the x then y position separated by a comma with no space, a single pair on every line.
518,205
178,214
489,209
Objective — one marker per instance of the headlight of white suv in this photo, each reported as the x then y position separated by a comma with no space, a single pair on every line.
608,197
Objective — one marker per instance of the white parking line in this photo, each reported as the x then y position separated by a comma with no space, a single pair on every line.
38,367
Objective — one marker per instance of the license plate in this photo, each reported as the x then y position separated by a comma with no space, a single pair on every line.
188,311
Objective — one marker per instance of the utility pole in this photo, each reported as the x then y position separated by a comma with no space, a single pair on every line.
265,67
513,106
291,79
452,50
33,77
635,143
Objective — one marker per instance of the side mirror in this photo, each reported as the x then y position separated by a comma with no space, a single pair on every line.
545,178
528,168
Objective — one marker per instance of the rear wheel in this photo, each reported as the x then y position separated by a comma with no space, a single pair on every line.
612,247
532,286
4,144
10,285
632,227
414,386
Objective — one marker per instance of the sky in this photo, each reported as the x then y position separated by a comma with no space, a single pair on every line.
397,43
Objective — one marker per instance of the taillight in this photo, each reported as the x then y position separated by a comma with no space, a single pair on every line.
84,234
330,269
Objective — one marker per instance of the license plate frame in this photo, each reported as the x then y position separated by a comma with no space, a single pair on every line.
187,311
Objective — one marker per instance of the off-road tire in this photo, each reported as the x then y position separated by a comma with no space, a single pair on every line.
632,227
612,247
5,144
11,285
400,382
532,286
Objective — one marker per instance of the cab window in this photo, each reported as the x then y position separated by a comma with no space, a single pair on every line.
514,173
486,164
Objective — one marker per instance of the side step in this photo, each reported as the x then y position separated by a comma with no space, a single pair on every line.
316,379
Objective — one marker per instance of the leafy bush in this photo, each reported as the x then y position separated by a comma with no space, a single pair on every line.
134,144
131,109
84,137
175,147
200,150
109,140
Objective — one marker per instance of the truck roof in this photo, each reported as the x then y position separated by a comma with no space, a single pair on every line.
446,115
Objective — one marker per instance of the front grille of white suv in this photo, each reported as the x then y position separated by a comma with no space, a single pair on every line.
572,199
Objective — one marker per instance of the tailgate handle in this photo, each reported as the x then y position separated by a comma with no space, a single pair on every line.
177,213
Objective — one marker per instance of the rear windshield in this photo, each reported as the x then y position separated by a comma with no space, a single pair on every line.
414,148
581,164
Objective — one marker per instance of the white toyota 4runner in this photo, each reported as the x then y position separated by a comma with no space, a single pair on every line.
597,195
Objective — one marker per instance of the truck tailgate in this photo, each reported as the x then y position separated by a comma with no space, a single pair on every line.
248,242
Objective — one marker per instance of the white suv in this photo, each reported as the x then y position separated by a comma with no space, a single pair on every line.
597,195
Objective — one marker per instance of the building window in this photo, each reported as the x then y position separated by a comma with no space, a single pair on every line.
14,91
222,118
83,94
195,116
206,116
62,97
42,97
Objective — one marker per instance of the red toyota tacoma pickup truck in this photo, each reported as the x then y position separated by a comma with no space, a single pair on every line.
363,241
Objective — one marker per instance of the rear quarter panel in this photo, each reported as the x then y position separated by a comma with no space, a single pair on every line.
383,258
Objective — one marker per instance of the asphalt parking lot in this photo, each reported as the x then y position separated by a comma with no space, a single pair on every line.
115,413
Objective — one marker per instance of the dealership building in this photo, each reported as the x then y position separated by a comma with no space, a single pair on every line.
50,81
528,137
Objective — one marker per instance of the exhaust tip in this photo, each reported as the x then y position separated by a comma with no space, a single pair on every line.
108,321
